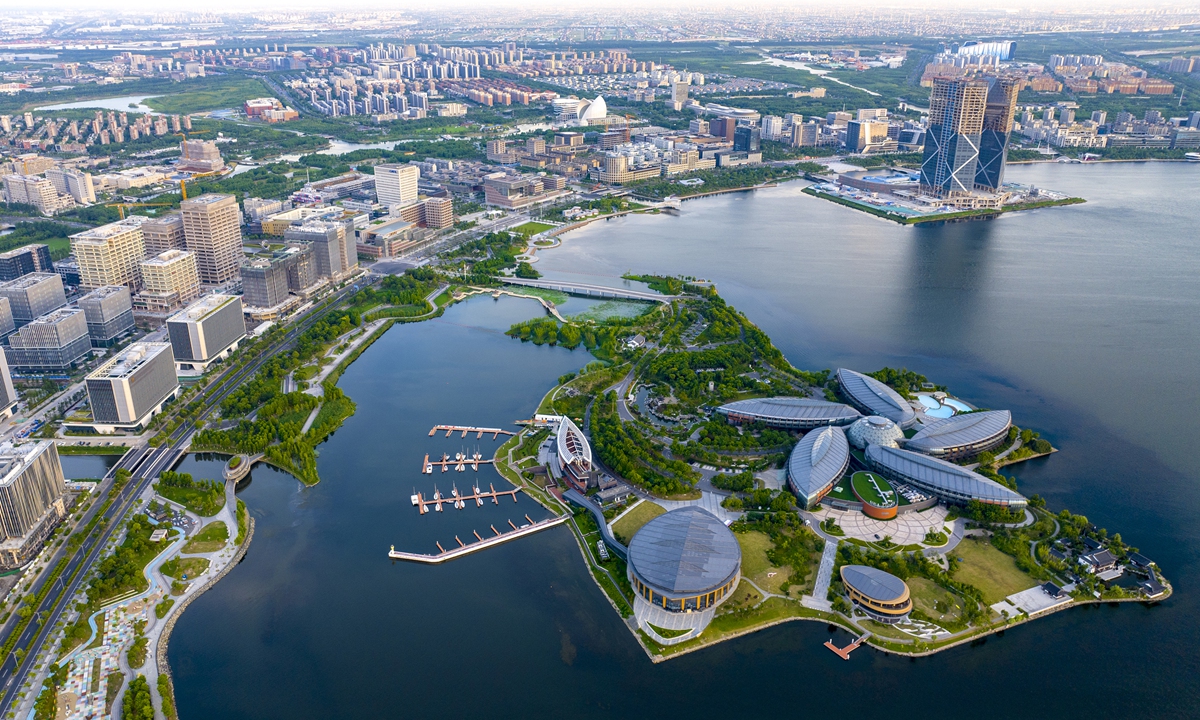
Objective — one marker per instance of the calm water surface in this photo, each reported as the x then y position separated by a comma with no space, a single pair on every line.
1082,320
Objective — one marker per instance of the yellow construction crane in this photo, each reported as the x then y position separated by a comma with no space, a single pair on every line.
183,182
121,206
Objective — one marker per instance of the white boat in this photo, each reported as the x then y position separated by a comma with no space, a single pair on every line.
414,499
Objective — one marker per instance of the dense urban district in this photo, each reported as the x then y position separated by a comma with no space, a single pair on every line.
209,217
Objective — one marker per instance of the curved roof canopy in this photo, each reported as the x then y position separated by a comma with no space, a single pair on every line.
876,397
944,479
876,584
792,410
817,461
571,444
685,552
960,430
595,110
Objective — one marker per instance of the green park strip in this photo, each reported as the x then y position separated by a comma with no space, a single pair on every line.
532,228
625,528
92,449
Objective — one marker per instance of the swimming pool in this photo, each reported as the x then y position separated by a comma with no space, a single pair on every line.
934,409
957,405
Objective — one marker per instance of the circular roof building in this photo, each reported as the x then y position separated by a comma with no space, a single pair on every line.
876,398
880,594
963,436
789,413
875,430
684,560
816,463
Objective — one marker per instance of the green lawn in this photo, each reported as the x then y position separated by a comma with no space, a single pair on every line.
180,567
215,93
532,228
994,573
841,491
935,601
212,538
201,502
755,564
625,528
861,481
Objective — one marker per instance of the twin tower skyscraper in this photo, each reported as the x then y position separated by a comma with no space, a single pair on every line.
966,145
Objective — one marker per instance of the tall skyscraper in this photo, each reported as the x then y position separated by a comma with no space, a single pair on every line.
746,139
8,393
31,499
212,230
997,127
396,183
163,233
110,254
333,248
956,109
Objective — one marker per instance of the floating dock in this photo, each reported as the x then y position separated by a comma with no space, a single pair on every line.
844,653
479,431
481,543
460,462
459,501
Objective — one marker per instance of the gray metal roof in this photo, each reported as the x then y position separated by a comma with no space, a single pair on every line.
876,584
818,459
686,551
944,479
791,408
876,397
960,430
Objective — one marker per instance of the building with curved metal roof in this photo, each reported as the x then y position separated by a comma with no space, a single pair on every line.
880,594
962,436
574,454
875,430
873,397
949,482
682,565
789,413
816,463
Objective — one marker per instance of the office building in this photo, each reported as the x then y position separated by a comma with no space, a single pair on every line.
8,393
52,344
788,413
772,127
7,324
110,254
723,127
864,136
36,191
804,134
169,282
956,110
163,233
205,332
24,260
74,183
395,183
132,387
34,295
438,212
997,128
267,281
962,436
109,314
200,156
32,489
746,139
333,247
212,229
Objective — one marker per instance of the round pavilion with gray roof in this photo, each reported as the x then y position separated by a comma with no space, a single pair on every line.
816,463
880,594
962,436
682,565
873,397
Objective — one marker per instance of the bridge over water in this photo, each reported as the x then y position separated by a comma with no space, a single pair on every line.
588,290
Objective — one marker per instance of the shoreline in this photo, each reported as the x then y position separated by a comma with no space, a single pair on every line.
964,215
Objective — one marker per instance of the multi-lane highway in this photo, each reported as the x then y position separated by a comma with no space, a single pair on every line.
145,464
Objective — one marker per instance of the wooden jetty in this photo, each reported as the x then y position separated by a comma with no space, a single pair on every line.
459,500
467,548
460,462
843,653
479,431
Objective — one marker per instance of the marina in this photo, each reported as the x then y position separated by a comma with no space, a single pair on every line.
479,432
481,543
460,462
458,500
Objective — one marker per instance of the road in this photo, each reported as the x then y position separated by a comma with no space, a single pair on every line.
145,463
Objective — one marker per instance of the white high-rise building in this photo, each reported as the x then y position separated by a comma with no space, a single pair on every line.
212,229
395,183
110,254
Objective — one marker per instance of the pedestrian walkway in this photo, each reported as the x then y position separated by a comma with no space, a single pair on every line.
709,501
818,600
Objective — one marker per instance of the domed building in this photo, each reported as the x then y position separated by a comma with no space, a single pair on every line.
882,595
682,565
875,430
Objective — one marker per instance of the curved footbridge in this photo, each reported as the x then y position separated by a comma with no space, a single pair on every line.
480,542
589,290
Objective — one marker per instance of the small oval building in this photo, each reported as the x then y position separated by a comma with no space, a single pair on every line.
881,595
875,430
816,463
789,413
682,565
962,436
875,398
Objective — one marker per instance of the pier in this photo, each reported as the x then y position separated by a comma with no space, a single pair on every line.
479,432
844,653
468,548
459,501
460,462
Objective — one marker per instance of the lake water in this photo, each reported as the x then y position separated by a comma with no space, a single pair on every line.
87,467
126,103
1081,320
